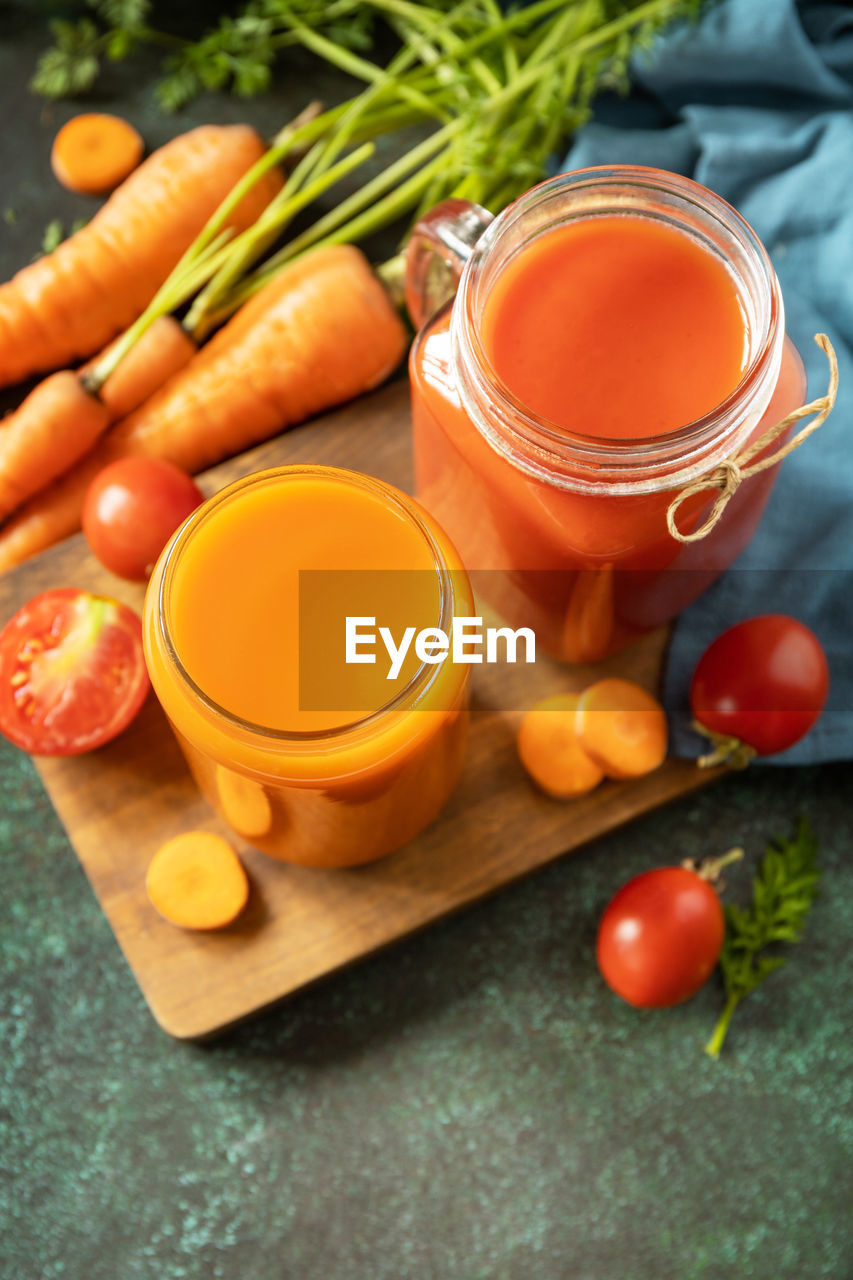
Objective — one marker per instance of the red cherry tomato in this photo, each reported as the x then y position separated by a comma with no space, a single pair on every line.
72,674
763,682
660,937
131,510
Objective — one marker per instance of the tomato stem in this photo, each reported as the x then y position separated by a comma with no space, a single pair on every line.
726,749
710,868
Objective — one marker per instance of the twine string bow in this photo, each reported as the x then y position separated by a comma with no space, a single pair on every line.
729,474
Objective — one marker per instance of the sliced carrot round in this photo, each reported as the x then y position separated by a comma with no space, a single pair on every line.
196,880
622,727
94,152
245,804
550,751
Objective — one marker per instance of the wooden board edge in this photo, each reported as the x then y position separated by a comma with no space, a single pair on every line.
675,780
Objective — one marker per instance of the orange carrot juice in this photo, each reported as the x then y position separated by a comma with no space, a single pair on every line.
617,333
308,756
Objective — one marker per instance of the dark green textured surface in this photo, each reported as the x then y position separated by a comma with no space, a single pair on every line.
471,1104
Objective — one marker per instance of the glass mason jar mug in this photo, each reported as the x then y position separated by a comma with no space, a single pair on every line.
615,334
305,755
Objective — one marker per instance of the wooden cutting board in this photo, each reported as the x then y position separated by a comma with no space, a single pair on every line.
120,803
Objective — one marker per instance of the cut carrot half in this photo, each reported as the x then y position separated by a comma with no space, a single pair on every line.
94,152
550,751
622,727
196,881
245,805
589,620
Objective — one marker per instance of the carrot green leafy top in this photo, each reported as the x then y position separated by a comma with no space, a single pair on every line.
496,91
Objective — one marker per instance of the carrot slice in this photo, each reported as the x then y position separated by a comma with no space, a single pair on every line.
94,152
196,881
622,727
245,805
550,750
588,624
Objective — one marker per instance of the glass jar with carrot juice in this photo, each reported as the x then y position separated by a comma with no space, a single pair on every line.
311,757
616,334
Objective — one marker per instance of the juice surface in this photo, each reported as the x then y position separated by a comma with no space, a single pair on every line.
615,326
235,620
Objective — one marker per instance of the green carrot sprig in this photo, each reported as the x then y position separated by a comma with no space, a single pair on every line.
237,54
499,90
504,90
782,893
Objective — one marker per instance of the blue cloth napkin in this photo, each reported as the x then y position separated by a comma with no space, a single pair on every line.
756,102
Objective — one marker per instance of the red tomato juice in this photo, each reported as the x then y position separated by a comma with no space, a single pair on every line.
614,329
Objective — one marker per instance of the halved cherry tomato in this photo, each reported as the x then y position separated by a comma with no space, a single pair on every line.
660,937
762,683
72,673
131,510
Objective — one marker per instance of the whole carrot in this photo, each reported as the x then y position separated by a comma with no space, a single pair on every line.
321,332
70,303
59,421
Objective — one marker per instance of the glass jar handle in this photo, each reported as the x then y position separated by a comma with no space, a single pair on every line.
439,246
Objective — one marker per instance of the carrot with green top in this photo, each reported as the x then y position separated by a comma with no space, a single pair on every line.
63,416
160,351
71,302
60,421
321,332
505,80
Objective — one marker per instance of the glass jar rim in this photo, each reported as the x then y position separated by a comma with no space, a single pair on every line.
342,735
688,450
